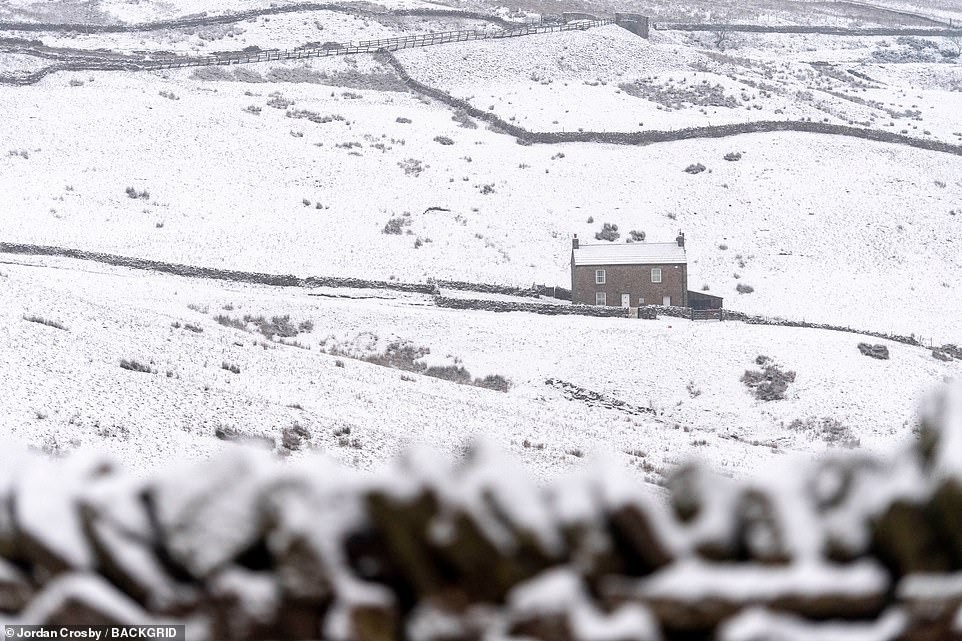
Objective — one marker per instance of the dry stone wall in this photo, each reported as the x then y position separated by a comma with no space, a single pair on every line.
526,137
240,16
819,29
191,271
534,308
247,547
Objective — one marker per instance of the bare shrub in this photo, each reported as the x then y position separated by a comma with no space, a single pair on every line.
635,236
278,101
770,383
227,321
294,437
696,168
608,232
733,156
576,452
402,120
210,73
231,367
316,117
880,352
443,140
397,224
412,167
742,288
136,366
493,381
407,356
133,193
828,429
276,326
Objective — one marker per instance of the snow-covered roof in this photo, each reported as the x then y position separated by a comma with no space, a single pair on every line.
630,254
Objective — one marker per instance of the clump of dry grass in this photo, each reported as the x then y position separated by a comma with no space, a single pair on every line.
45,321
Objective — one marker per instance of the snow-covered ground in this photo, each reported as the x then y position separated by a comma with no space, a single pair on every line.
303,168
66,389
137,11
279,31
228,188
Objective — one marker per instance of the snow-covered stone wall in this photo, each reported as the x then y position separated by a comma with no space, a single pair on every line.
246,546
534,308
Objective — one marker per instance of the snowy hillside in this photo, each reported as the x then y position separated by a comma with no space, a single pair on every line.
226,187
337,167
680,380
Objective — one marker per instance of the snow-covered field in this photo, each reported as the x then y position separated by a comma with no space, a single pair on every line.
280,31
300,167
65,388
228,188
136,11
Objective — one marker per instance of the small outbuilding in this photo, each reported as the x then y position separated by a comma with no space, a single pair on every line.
701,300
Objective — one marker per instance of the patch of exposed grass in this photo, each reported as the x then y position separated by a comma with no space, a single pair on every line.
45,321
231,367
770,383
136,366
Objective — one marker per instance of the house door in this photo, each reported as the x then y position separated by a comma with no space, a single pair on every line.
666,301
626,300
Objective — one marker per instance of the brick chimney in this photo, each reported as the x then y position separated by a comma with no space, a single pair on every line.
574,242
681,239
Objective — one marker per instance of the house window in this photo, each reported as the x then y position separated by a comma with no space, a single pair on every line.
641,301
599,277
600,297
656,274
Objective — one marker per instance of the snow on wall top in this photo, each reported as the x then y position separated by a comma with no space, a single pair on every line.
249,547
630,254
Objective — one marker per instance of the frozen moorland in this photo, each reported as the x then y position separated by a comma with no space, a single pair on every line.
341,166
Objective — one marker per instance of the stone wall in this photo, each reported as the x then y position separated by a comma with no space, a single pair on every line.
650,137
192,271
534,308
248,547
241,16
485,288
819,29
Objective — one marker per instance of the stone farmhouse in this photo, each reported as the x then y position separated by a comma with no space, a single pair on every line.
634,275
